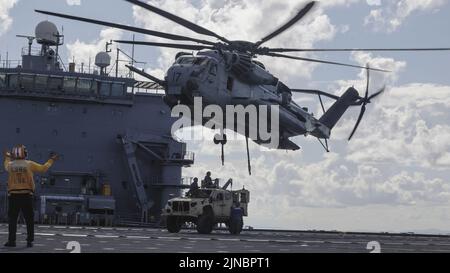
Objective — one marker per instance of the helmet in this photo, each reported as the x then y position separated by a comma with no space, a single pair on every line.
20,152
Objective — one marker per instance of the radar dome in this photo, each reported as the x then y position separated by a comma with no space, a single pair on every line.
46,33
102,60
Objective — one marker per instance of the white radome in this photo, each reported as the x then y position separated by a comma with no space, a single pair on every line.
102,60
46,33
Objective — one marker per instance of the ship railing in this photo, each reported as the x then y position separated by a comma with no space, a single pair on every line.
35,51
10,63
136,90
187,180
59,190
67,85
189,156
83,68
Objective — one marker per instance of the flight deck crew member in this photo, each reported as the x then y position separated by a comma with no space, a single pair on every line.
207,181
21,189
193,189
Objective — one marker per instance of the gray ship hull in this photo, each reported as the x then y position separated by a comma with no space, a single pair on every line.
90,136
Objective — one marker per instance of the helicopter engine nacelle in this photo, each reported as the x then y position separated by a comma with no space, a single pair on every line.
242,66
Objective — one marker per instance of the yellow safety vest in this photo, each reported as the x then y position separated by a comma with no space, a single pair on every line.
21,173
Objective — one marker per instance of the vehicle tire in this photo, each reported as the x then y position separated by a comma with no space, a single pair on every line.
205,223
174,224
236,224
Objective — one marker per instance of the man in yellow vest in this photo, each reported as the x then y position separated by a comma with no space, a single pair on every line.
21,190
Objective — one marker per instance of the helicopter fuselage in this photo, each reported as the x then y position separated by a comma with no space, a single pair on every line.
215,77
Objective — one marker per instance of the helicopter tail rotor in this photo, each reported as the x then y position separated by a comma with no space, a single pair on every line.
364,101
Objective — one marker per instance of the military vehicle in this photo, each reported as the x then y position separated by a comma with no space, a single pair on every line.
117,165
206,207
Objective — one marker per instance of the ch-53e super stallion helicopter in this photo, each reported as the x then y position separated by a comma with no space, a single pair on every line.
227,73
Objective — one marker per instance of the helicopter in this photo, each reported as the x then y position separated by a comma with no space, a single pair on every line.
227,72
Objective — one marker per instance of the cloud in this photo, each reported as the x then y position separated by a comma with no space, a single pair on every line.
397,167
392,15
5,19
85,52
399,160
407,127
377,79
73,2
374,2
332,181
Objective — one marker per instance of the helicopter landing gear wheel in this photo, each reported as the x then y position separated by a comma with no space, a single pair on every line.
174,224
205,223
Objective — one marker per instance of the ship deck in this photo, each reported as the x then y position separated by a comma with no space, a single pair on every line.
54,239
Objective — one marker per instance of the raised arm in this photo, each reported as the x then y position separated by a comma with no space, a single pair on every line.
35,167
7,156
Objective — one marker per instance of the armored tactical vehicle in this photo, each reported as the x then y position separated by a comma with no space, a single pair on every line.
207,207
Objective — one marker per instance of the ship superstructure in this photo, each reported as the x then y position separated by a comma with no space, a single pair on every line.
119,161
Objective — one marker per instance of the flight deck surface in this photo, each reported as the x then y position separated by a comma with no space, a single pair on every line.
55,239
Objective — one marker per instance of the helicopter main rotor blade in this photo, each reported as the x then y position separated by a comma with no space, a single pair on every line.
281,50
315,92
377,93
289,24
146,75
366,97
129,28
194,27
321,61
178,46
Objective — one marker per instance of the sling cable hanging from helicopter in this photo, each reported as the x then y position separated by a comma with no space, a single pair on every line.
222,140
325,146
248,157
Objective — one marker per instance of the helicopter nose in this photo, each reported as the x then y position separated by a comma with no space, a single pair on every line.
191,85
176,80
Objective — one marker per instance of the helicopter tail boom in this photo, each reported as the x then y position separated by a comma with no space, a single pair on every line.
335,113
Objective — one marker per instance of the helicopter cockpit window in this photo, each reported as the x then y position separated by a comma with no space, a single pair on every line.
186,60
201,61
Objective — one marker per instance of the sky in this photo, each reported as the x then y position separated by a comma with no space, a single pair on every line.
393,176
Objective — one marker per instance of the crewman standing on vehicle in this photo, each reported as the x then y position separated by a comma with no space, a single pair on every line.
21,190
